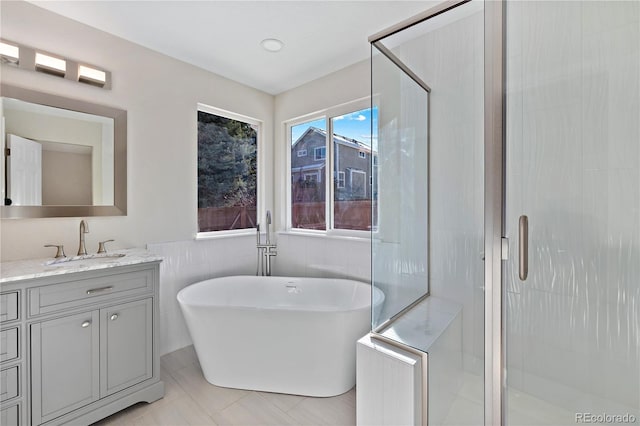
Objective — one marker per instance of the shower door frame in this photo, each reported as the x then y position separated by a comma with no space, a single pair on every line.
495,244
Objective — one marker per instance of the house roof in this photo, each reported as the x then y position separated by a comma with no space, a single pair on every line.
342,140
308,167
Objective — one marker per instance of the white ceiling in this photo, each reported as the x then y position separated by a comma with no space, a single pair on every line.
224,36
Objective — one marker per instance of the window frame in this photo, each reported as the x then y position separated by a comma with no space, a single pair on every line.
317,175
328,114
338,179
316,157
359,172
260,172
302,153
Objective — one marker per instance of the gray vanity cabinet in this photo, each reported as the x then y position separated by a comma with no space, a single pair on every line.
127,345
79,346
64,365
81,358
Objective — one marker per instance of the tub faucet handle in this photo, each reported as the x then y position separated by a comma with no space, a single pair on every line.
59,252
101,248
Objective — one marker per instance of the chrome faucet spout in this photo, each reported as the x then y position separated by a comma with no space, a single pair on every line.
84,229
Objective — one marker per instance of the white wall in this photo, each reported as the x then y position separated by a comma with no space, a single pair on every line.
160,95
313,255
66,178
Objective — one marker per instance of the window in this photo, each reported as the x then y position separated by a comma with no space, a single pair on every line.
343,199
302,153
312,177
320,153
358,179
227,170
352,142
308,194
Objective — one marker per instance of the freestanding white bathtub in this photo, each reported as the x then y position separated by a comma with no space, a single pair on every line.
279,334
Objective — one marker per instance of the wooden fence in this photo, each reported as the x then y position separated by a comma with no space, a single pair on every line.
225,218
353,214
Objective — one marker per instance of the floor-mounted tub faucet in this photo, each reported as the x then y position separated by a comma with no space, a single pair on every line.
265,251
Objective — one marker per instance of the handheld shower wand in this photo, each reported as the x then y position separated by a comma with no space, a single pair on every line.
268,223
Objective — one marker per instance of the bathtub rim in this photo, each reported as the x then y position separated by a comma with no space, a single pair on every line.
370,306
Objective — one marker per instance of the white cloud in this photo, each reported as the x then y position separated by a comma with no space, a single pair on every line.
340,117
360,118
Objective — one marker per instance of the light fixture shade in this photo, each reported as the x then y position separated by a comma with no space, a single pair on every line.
50,64
9,51
91,75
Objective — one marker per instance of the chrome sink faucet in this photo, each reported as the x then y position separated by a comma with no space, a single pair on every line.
84,229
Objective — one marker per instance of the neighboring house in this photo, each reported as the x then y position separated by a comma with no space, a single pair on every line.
352,176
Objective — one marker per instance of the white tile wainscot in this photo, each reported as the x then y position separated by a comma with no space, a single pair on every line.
82,337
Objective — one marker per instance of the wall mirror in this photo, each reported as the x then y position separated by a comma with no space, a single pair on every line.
61,157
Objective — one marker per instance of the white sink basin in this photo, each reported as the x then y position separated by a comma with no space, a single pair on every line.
89,258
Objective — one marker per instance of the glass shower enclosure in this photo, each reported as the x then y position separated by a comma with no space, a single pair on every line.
427,88
508,206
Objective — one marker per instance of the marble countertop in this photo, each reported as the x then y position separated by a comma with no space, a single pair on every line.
18,270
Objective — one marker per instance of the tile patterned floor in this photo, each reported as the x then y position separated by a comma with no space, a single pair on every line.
190,400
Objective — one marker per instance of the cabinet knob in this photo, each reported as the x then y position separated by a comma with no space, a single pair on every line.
114,317
86,324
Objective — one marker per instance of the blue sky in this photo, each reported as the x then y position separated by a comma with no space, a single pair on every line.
356,125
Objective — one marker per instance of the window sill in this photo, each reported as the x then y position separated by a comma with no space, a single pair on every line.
216,235
332,235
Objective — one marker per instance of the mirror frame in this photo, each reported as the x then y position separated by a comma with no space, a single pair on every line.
119,116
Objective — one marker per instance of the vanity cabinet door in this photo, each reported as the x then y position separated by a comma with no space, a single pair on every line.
65,365
127,345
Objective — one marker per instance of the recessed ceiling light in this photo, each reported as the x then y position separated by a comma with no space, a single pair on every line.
272,44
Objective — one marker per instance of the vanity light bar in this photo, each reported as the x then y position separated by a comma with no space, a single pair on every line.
28,58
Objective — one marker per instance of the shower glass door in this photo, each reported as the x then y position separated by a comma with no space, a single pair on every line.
572,324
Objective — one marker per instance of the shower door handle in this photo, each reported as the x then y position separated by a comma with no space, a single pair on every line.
523,247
